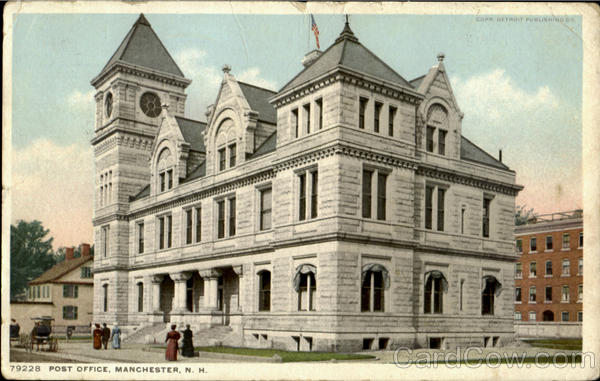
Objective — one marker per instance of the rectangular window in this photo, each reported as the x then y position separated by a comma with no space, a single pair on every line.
188,226
306,117
222,159
532,294
519,245
221,219
549,242
429,137
140,237
533,244
565,294
161,233
518,270
105,298
265,209
314,194
232,155
319,103
70,291
486,217
532,270
566,241
580,266
580,316
361,112
463,210
518,294
548,267
564,316
69,312
442,142
86,272
302,198
295,122
440,209
264,292
169,179
580,293
198,224
169,231
581,239
381,196
366,193
391,117
105,241
140,301
532,316
377,116
566,267
162,176
232,215
518,315
548,294
428,207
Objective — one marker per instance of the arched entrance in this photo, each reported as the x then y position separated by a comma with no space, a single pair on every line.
167,291
548,315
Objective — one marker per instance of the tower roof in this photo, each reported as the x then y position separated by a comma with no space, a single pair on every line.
142,47
347,52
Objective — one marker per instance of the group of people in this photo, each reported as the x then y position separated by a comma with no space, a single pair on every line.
101,336
172,340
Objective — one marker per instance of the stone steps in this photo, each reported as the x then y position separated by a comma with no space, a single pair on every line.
147,335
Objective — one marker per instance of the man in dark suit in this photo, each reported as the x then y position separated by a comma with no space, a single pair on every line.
105,335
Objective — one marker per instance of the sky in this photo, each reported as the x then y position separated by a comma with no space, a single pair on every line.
518,83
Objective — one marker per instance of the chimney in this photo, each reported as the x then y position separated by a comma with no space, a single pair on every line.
85,249
500,155
69,253
311,57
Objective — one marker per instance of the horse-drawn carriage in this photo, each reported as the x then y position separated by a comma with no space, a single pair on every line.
41,335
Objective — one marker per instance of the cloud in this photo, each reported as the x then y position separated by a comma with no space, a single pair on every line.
54,184
83,102
252,76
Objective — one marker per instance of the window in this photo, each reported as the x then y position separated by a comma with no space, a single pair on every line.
486,217
188,226
232,215
566,266
549,242
580,266
366,193
564,316
442,142
221,219
532,316
362,107
518,294
565,294
548,293
166,180
222,162
461,294
532,270
372,292
198,224
580,293
140,237
580,316
463,210
232,155
548,267
519,246
264,291
169,179
295,122
433,302
308,181
69,312
566,241
434,195
265,208
86,272
533,245
307,292
306,117
488,295
518,315
105,238
165,225
140,297
429,144
532,296
319,104
162,176
226,224
581,239
381,196
391,117
105,298
377,116
518,270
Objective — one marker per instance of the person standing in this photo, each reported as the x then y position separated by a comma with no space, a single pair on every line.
172,338
97,336
116,337
187,347
105,335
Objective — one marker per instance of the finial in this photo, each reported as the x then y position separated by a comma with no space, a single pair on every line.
441,56
226,69
142,20
347,22
165,109
347,32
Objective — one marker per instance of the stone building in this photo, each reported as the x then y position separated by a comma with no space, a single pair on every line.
344,211
549,275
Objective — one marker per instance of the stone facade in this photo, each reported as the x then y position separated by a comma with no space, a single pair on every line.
319,217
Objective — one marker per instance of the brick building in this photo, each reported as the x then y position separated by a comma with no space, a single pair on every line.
549,274
344,211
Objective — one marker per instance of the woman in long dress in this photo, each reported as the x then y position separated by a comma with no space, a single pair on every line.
97,335
187,347
116,337
172,338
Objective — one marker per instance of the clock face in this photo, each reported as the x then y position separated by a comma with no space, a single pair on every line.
150,104
108,104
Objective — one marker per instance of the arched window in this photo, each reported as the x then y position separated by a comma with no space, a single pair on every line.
164,169
435,285
264,290
548,316
305,284
491,287
375,280
140,295
437,129
105,298
226,148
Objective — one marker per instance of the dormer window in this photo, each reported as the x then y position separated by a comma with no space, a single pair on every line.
226,146
164,168
436,130
166,180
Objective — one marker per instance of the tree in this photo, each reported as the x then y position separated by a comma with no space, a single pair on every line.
30,254
522,215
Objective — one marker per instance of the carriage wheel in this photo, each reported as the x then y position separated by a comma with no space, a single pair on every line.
53,345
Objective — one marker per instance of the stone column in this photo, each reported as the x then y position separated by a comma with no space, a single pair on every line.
210,277
179,297
156,281
239,270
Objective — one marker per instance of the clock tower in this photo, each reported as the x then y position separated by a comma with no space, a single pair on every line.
139,78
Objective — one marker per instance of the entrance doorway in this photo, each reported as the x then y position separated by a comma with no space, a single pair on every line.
167,291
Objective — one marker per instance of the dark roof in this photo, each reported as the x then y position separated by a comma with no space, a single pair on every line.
267,146
348,53
61,269
142,47
196,173
258,99
144,192
192,132
470,152
417,81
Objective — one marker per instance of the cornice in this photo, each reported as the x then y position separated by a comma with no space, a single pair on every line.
138,71
109,218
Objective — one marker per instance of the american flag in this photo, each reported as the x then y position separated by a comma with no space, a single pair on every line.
315,29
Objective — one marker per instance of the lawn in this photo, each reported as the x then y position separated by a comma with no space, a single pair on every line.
285,355
565,344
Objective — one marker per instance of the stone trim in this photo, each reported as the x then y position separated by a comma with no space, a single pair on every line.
106,219
121,67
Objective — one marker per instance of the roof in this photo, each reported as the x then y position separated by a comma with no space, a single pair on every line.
347,53
196,173
257,98
192,132
267,146
417,81
144,192
61,269
469,151
142,47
